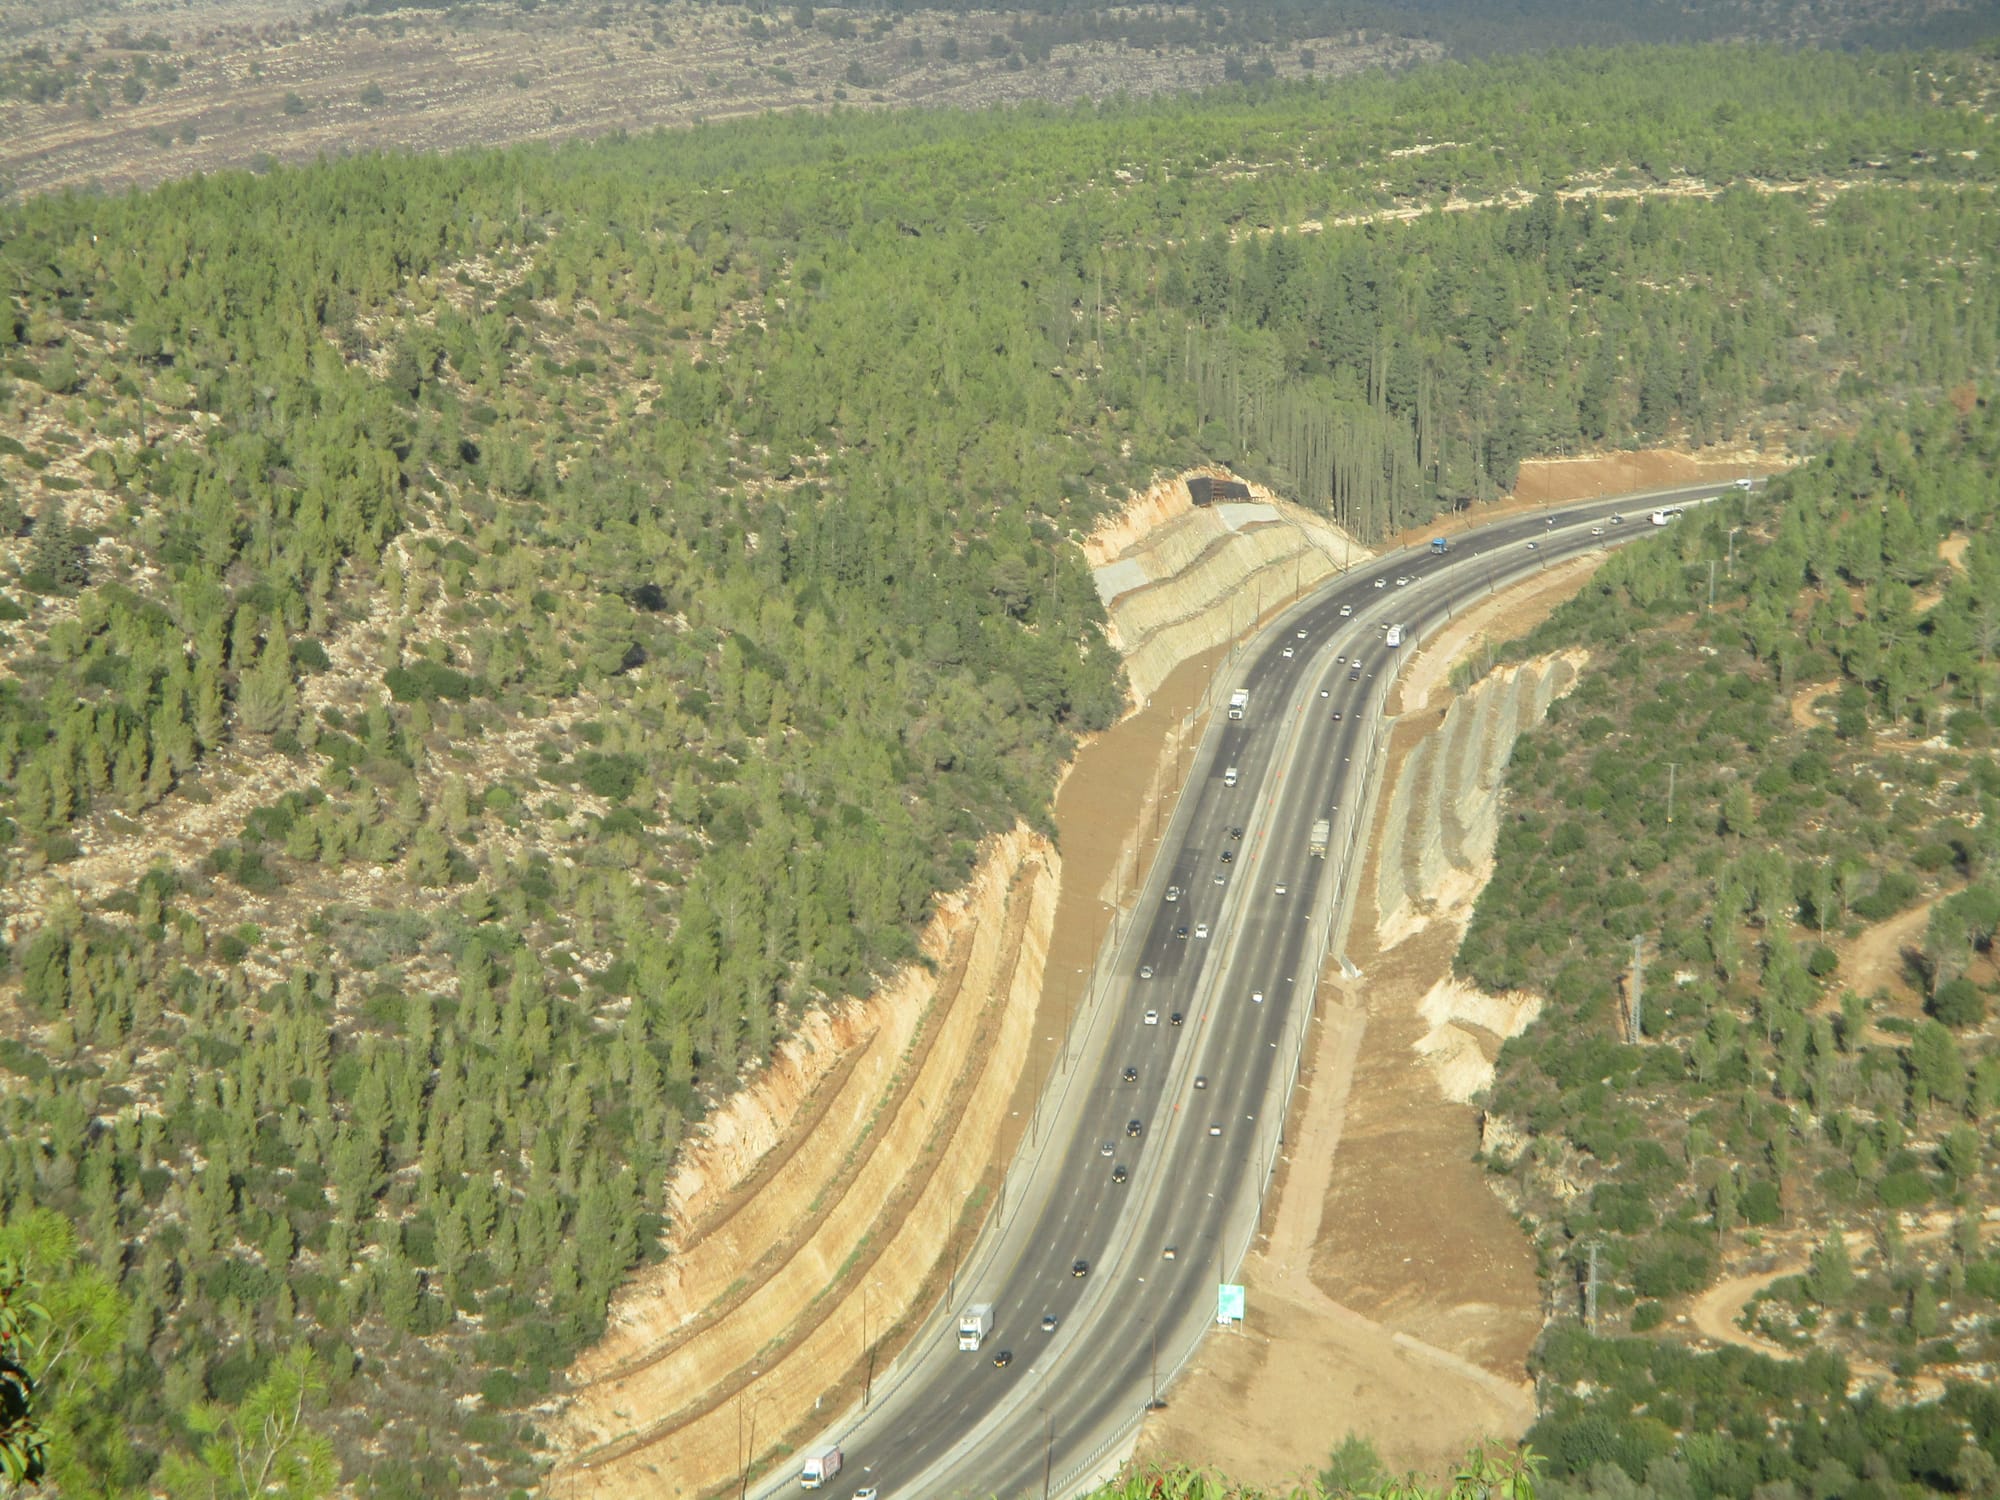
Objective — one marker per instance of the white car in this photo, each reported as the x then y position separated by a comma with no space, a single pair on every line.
1256,997
1222,880
871,1492
1533,545
1597,531
1173,893
1301,635
1152,1019
1381,583
1324,691
1201,928
1402,583
1279,888
1215,1130
1288,653
1346,610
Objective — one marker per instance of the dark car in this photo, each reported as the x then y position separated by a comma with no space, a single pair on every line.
1134,1128
1228,856
1119,1174
1175,1019
1079,1268
1131,1075
1181,932
1003,1359
1236,833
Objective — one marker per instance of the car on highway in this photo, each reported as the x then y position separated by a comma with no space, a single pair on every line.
1119,1174
1279,888
1236,833
1131,1075
1145,971
1346,611
1175,1019
1201,1080
1533,545
1082,1267
1325,692
1172,1252
1256,997
1299,635
1381,583
1617,520
1181,932
868,1493
1222,880
1173,893
1003,1359
1402,582
1228,856
1597,531
1152,1019
1288,653
1336,716
1105,1149
1215,1130
1135,1128
1201,928
1048,1322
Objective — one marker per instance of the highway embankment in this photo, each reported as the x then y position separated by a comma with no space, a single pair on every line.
822,1211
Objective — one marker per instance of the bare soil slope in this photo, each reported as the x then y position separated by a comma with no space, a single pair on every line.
264,78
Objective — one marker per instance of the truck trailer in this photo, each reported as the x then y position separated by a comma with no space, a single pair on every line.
974,1324
820,1466
1238,701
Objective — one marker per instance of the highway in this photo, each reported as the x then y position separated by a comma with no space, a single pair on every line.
1206,1003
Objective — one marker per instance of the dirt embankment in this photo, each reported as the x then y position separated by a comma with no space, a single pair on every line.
1390,1294
1178,579
681,1394
787,1289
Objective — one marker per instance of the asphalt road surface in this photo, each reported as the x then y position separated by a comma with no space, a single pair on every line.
1206,1007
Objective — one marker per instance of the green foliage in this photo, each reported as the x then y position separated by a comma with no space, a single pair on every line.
1783,833
262,1446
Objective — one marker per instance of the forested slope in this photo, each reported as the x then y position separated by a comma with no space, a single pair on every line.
1759,1099
489,639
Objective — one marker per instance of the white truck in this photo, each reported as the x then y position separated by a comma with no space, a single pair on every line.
1238,701
1395,637
820,1466
1229,777
974,1324
1322,831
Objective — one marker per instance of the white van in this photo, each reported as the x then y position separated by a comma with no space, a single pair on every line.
1229,777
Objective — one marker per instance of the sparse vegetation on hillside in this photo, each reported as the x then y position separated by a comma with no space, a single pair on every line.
489,640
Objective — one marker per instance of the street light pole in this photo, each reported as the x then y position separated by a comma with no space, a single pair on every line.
1049,1456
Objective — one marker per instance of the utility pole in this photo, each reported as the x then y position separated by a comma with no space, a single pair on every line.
1711,583
1154,1404
1633,1031
1672,766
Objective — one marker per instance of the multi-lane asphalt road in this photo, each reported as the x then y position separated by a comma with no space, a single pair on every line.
1154,1147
